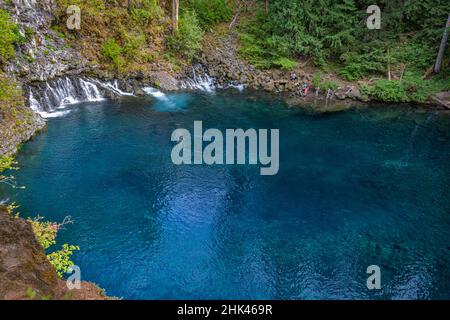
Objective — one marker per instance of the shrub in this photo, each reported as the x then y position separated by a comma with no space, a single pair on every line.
285,63
61,259
45,233
134,44
362,63
391,91
112,51
148,11
6,163
324,84
420,90
9,36
187,41
211,12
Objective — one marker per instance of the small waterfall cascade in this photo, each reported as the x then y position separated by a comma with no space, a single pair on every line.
155,93
200,80
114,87
235,85
48,99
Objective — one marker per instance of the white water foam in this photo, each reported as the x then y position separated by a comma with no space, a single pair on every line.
239,87
34,105
156,93
199,82
60,93
114,87
54,114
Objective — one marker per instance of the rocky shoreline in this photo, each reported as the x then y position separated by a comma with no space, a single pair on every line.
47,58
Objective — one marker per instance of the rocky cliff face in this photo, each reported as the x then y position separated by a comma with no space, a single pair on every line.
222,60
45,54
20,127
25,267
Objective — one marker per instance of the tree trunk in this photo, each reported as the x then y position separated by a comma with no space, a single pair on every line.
389,64
267,6
440,57
175,9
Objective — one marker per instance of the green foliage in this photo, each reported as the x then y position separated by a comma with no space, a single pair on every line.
145,12
324,84
88,8
412,88
9,36
30,293
46,233
253,50
307,28
134,44
130,33
359,64
61,259
285,63
257,46
112,51
419,90
417,55
135,32
8,163
58,32
187,42
391,91
335,32
211,12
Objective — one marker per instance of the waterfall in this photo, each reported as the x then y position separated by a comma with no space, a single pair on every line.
114,87
49,98
238,86
198,81
201,80
155,93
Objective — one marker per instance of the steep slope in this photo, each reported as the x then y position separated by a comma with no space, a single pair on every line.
25,271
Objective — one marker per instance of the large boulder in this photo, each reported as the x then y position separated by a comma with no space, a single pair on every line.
164,81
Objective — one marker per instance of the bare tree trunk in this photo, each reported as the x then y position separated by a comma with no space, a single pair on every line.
440,57
175,10
267,6
403,72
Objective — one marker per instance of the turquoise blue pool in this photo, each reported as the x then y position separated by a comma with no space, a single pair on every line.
363,187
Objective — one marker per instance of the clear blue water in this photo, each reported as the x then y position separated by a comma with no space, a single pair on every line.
356,188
